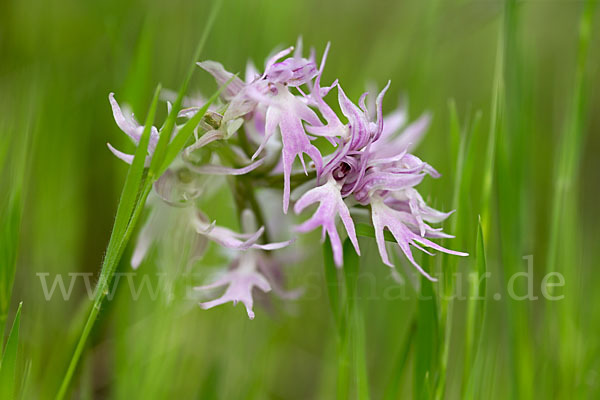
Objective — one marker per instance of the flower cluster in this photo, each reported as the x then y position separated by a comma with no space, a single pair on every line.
262,125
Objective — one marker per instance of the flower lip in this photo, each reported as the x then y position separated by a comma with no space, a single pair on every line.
341,171
292,71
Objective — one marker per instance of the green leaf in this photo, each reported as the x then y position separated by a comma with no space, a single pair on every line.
8,365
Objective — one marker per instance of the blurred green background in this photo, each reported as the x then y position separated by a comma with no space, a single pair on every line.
520,61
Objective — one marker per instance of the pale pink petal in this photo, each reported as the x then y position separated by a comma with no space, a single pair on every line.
331,205
209,169
385,217
222,76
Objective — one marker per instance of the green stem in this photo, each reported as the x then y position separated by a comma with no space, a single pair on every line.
108,269
243,193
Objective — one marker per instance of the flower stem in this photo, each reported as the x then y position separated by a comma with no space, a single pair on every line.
243,193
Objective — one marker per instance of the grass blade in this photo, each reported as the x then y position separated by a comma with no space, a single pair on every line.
572,138
461,138
512,172
355,320
391,392
127,205
8,365
158,159
426,342
565,233
11,213
10,221
495,126
337,303
475,309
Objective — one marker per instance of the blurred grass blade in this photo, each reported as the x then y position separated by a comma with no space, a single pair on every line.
461,137
8,364
393,386
355,320
165,135
331,281
512,174
139,74
495,126
426,349
567,356
337,304
475,308
10,221
481,262
480,369
572,138
455,131
11,212
25,379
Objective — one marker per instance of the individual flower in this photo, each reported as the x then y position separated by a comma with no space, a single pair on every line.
410,200
233,240
385,217
240,280
331,204
252,268
287,113
283,110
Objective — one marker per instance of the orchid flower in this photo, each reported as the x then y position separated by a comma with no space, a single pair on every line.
251,268
253,136
331,205
234,240
385,217
239,281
